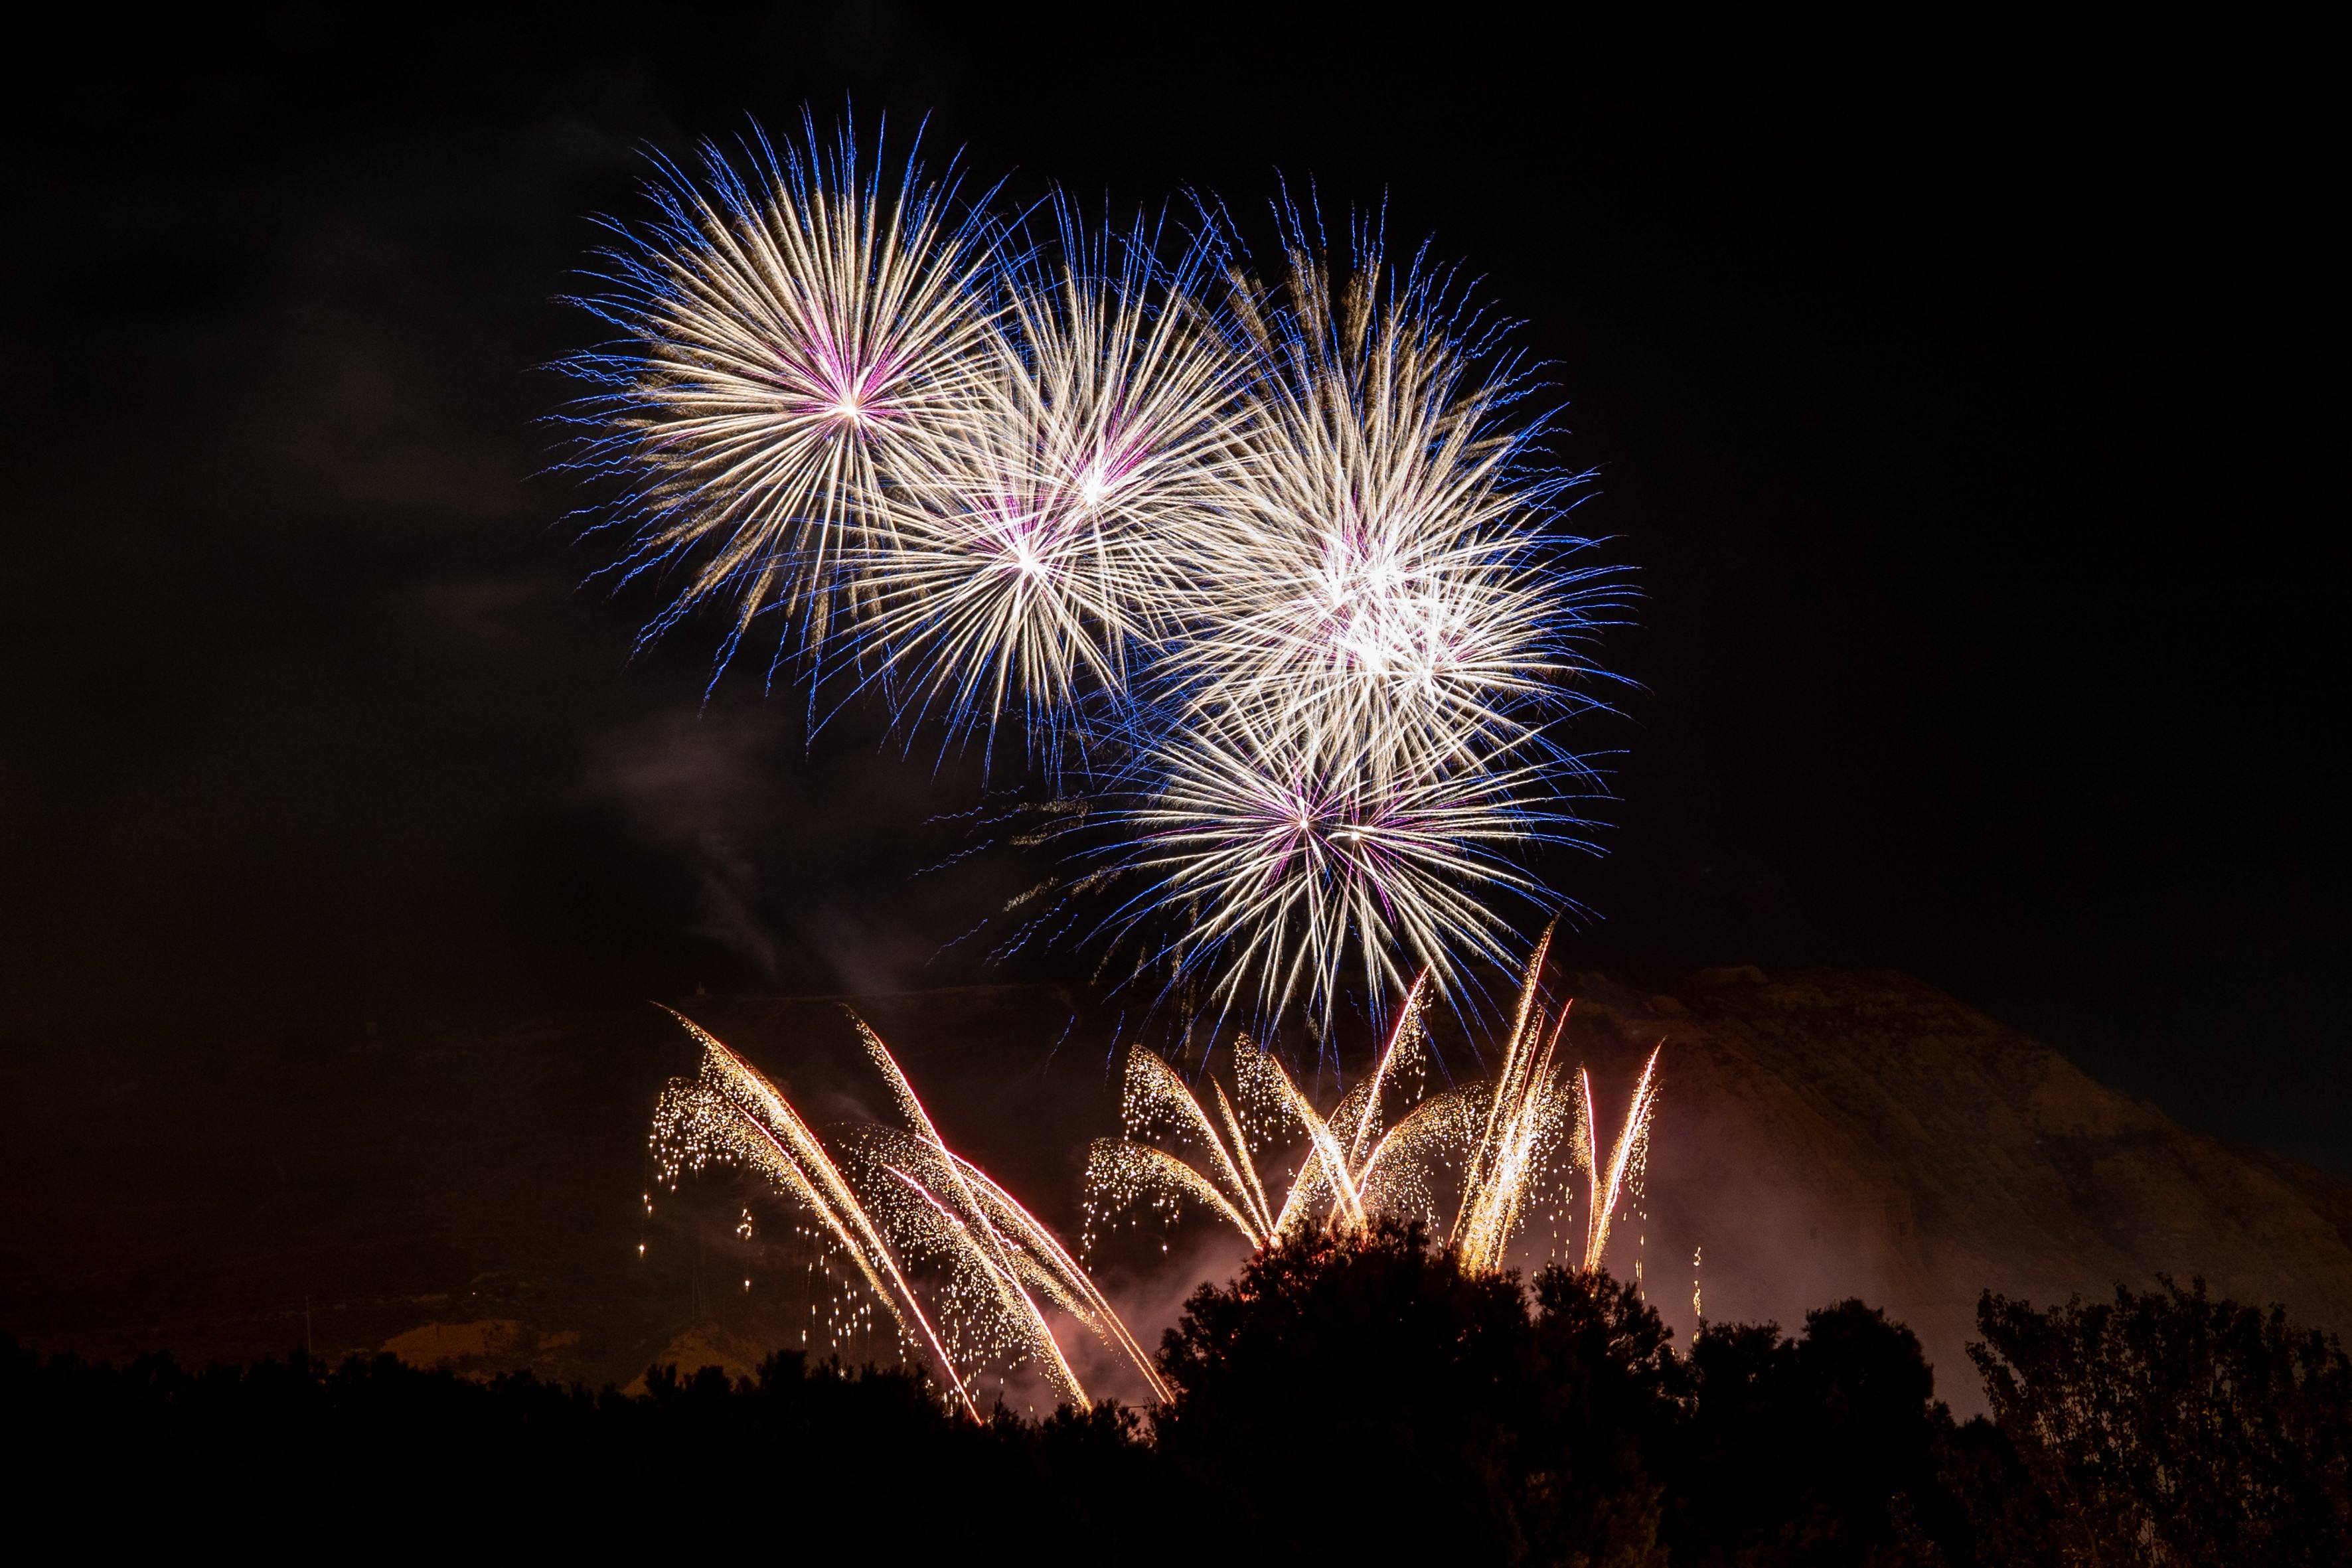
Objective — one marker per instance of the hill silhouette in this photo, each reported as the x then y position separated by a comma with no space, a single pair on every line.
1825,1134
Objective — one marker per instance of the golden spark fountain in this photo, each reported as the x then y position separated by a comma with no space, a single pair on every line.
893,1199
1517,1142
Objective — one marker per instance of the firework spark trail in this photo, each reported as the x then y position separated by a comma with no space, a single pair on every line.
1542,1110
797,342
1513,1048
1404,1038
1248,1166
1160,1087
732,1111
1126,1171
920,1198
1061,1274
1015,1249
1122,1171
1529,1110
1400,1174
977,1245
1325,1170
1625,1162
975,1225
1515,1141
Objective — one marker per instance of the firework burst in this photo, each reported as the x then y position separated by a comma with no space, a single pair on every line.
1391,584
1053,549
798,341
1303,857
1280,577
1363,744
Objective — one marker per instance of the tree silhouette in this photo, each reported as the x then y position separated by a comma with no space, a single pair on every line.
1359,1400
1821,1449
2165,1428
1366,1399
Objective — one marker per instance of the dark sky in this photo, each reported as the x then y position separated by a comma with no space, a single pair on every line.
1966,392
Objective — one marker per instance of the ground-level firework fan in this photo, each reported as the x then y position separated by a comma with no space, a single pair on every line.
1267,567
969,1275
899,1207
1505,1149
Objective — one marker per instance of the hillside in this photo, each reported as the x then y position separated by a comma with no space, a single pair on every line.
1826,1134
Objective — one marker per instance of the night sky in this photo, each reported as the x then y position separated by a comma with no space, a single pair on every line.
1966,398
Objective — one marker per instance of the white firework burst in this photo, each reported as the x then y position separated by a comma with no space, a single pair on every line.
1286,576
1391,580
1053,547
1290,860
1358,752
800,339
